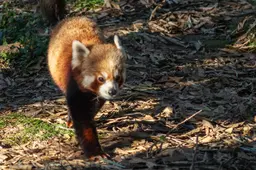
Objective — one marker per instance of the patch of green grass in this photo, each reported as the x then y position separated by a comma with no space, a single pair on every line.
6,56
22,27
252,44
3,123
88,4
21,129
251,37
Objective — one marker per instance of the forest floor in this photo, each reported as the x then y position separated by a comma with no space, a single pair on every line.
188,103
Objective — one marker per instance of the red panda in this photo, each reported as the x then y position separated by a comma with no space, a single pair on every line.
89,71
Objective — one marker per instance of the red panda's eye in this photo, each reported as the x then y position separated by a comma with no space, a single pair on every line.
101,79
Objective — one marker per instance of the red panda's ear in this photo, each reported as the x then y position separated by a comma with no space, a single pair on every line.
117,43
119,46
79,51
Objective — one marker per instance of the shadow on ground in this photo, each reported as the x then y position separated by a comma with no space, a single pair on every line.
189,100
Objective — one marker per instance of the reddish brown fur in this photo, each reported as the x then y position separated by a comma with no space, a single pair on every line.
95,64
83,104
89,135
60,46
69,123
60,52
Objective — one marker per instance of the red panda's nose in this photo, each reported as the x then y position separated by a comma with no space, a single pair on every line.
112,92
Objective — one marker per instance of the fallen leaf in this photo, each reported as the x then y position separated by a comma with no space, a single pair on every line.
148,118
229,130
207,139
166,113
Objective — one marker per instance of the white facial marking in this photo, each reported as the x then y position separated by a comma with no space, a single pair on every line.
87,81
104,89
79,51
105,75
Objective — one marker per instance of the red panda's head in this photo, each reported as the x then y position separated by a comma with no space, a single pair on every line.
99,68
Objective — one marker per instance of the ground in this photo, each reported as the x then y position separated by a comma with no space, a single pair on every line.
188,103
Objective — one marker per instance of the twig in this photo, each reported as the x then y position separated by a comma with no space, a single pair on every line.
242,13
150,149
155,9
153,12
194,154
187,119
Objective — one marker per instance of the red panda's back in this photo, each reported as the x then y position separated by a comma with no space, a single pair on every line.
60,46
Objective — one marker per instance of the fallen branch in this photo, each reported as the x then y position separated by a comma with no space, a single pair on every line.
242,13
184,121
194,154
155,9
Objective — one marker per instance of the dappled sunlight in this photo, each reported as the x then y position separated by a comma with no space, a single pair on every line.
188,101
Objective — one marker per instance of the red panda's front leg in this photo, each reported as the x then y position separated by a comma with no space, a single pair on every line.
83,106
85,129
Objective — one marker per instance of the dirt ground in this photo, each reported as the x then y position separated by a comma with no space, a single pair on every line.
188,103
